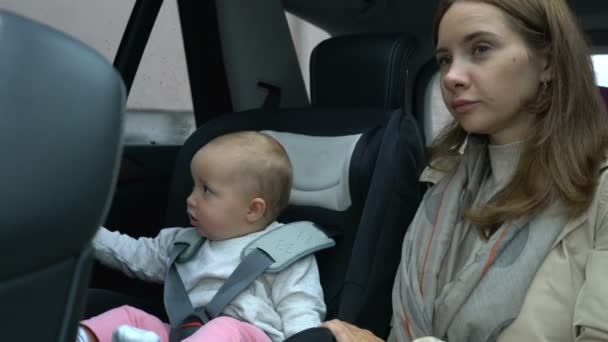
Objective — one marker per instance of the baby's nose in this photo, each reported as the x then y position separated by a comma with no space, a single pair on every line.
190,200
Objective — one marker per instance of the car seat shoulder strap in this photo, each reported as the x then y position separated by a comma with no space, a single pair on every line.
270,252
290,242
177,303
191,240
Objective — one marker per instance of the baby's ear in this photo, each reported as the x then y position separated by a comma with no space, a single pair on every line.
257,208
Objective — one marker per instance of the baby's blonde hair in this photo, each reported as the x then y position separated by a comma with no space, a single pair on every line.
264,168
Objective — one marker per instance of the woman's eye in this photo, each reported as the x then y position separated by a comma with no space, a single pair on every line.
480,50
443,60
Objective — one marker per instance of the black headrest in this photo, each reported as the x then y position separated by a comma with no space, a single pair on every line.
60,127
363,70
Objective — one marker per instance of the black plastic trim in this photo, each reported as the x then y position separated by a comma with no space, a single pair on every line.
135,38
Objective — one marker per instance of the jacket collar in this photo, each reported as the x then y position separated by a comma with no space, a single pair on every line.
570,226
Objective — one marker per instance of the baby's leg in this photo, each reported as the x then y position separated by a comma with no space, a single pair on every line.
228,329
103,326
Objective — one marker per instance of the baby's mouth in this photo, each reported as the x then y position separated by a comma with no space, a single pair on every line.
192,218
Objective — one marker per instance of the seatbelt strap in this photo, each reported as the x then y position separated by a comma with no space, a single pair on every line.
178,306
254,264
270,252
175,295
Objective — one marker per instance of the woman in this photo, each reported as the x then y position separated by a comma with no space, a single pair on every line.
511,244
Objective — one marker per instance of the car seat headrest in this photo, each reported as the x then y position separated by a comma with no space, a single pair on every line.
317,126
321,168
362,70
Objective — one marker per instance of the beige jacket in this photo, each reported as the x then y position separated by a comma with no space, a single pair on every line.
568,298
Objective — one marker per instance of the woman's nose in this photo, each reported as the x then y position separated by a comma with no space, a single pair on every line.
456,77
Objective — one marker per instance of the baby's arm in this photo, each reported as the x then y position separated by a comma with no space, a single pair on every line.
143,258
298,297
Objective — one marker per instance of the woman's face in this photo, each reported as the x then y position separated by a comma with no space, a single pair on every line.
487,72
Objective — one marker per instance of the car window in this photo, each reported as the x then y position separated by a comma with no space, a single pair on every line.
99,24
305,37
600,65
161,82
159,107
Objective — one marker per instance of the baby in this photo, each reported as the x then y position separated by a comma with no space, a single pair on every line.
242,182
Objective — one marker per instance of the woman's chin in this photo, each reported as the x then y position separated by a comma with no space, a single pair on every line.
473,127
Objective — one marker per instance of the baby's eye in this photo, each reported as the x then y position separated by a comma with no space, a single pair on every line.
206,189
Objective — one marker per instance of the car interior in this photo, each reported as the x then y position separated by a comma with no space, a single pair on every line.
356,129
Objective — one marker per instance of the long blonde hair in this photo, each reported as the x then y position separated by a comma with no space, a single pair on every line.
568,138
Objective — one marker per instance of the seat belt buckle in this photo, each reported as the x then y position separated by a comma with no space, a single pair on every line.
196,324
189,326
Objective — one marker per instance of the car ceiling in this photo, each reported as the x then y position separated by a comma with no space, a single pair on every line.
415,16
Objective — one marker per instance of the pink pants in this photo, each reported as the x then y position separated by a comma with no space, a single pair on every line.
224,329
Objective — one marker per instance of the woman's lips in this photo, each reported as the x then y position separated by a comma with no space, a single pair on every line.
461,107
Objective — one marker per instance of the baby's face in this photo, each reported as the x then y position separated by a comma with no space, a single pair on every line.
218,204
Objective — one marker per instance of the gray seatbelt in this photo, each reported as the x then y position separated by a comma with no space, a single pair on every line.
254,264
175,295
272,252
178,306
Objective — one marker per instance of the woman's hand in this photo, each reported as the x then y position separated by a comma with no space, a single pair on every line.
345,332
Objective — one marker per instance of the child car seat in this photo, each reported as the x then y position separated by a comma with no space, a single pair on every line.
378,170
370,182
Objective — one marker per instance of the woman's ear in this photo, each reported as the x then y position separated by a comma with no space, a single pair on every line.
257,208
546,74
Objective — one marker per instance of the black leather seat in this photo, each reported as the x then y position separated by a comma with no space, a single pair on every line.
60,127
361,70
